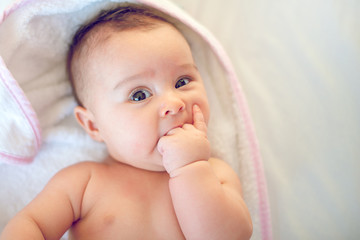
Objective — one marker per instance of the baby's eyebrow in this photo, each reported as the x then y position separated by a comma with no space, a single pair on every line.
133,77
189,65
146,74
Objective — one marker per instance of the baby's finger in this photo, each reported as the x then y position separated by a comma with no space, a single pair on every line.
160,145
199,120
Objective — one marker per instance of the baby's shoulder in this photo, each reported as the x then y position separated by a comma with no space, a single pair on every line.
80,168
80,172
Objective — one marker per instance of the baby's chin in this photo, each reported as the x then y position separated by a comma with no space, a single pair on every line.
148,166
152,168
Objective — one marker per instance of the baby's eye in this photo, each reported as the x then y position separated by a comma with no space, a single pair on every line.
182,82
140,95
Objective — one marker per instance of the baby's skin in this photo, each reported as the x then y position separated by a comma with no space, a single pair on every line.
177,191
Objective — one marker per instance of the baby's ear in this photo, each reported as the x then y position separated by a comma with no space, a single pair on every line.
86,120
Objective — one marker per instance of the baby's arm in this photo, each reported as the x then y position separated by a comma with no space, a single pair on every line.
53,211
206,193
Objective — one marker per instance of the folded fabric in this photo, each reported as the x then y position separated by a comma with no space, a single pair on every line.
20,133
35,95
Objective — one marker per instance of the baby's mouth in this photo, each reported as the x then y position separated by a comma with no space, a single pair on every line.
176,126
178,123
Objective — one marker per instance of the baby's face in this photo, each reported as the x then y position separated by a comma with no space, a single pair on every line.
144,83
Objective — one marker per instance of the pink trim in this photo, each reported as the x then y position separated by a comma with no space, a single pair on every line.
19,96
14,159
26,108
12,7
250,132
261,181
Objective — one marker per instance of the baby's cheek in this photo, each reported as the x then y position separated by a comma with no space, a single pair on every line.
144,139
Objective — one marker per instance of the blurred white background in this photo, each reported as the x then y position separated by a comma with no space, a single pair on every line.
299,65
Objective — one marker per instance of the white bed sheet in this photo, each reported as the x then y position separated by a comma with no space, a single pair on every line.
299,65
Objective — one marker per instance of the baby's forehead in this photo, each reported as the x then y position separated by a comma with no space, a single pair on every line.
98,36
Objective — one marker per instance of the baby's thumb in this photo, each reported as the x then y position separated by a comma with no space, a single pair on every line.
160,147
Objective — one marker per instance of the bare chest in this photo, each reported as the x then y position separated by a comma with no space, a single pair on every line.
128,210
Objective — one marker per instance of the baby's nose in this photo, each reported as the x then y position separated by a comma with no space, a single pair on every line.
171,105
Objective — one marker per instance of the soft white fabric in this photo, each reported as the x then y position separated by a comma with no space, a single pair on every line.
34,39
20,132
17,137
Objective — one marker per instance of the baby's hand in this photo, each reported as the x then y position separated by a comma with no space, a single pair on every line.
185,145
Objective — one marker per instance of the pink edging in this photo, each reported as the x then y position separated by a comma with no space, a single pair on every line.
19,96
12,7
250,132
262,187
266,229
27,110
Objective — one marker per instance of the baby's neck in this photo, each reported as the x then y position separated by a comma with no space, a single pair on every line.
110,161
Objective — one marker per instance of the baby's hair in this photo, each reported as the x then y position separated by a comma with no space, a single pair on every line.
121,18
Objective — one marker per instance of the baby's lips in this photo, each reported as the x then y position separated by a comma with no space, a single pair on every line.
178,124
167,133
171,129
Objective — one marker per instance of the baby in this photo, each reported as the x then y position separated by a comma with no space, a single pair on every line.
139,92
